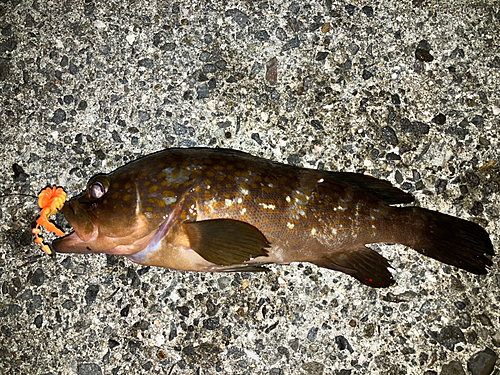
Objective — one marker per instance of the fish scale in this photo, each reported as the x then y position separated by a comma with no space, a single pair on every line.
204,209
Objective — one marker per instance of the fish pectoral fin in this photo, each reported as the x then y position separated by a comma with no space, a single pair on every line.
226,241
364,264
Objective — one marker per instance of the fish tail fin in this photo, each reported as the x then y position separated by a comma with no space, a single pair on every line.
448,239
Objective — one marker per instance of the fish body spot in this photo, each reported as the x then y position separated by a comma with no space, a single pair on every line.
168,193
268,190
228,202
127,197
244,185
342,205
153,188
244,191
290,225
169,200
157,201
267,206
128,185
299,196
194,174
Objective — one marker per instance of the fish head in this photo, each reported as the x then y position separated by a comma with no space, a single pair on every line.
107,217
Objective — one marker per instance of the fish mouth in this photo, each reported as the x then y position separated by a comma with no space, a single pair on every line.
84,231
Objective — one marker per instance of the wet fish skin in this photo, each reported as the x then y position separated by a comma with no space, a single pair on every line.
203,209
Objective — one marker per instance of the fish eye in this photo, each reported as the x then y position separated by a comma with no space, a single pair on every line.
97,187
97,190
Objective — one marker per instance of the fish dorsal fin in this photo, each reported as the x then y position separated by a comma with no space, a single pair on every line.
381,189
226,241
364,264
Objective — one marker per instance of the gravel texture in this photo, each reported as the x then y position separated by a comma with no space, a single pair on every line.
403,90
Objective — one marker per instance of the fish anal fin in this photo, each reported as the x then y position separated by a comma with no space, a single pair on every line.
364,264
225,241
245,268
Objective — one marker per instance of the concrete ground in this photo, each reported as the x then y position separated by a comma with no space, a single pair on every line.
408,91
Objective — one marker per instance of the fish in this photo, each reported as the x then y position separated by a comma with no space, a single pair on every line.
214,209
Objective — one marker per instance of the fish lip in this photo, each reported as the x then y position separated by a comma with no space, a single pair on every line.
70,243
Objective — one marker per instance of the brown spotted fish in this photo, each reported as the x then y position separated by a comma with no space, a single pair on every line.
202,209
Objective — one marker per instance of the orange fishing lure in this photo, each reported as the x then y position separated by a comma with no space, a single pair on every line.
50,201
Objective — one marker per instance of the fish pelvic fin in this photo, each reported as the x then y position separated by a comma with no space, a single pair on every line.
448,239
364,264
